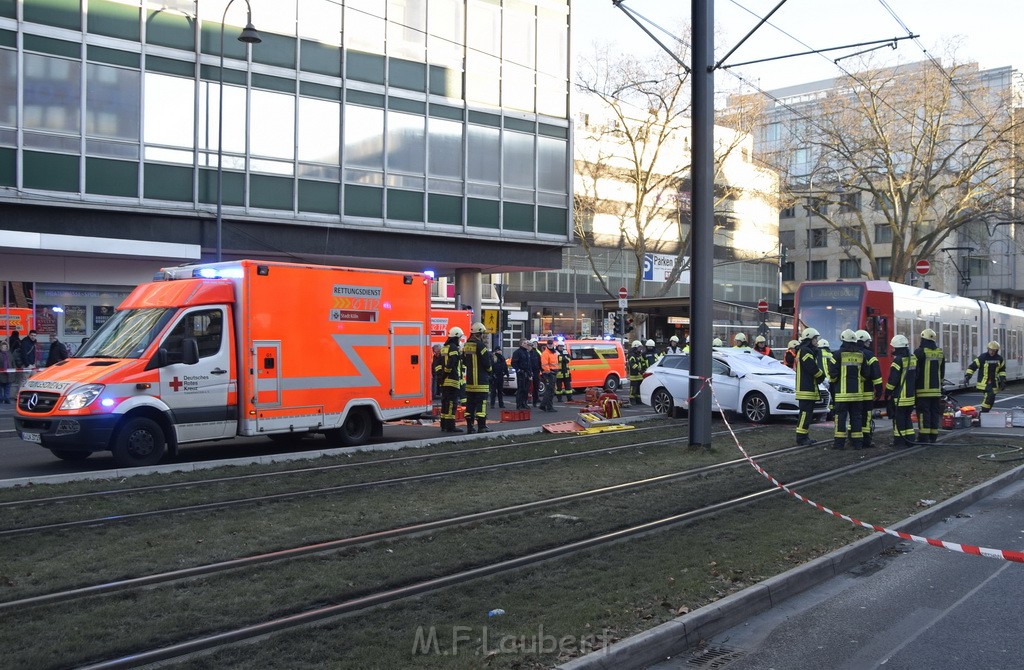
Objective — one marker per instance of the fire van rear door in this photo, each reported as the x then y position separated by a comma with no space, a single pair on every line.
408,348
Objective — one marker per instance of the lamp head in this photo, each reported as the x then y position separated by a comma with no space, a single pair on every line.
249,34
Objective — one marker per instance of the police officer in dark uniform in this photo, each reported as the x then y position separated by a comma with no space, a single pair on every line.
808,376
991,369
900,391
931,370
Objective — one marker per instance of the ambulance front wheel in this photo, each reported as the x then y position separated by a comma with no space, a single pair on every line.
140,441
611,383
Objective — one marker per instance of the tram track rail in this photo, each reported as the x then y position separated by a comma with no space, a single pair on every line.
204,644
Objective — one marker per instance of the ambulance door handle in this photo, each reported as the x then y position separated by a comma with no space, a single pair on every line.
218,371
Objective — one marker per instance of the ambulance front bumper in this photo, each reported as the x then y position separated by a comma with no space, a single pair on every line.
78,433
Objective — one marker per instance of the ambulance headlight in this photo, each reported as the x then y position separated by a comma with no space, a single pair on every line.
81,397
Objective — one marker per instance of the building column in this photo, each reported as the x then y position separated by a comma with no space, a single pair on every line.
467,291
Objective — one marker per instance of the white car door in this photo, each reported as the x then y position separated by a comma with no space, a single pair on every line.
673,373
726,386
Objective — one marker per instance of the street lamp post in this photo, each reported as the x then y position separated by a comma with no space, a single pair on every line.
247,36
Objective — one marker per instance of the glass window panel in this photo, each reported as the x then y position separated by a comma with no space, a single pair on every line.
406,142
552,43
445,148
276,14
53,96
520,33
112,102
483,78
364,137
552,97
518,160
234,117
407,26
272,129
551,164
68,144
517,87
484,26
320,20
110,148
273,167
483,154
319,131
169,111
444,21
8,87
372,7
363,32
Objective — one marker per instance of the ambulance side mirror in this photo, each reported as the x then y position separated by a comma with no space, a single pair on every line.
189,351
159,360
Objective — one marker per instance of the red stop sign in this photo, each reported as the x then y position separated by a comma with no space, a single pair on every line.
623,293
923,267
762,306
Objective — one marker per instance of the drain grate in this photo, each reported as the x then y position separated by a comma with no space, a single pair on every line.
714,657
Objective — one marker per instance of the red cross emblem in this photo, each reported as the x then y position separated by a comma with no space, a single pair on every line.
176,384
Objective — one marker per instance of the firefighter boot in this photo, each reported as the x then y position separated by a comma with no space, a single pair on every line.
839,443
469,426
802,440
898,442
481,426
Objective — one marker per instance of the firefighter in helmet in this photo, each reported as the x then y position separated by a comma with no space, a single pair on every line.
872,385
808,376
451,380
477,359
991,369
931,370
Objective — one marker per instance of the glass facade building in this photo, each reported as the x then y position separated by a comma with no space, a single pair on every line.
364,132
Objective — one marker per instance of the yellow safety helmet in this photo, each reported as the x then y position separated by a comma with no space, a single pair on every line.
740,337
863,336
637,343
478,328
809,334
793,343
455,332
899,341
759,339
717,342
848,336
673,339
928,334
993,345
823,344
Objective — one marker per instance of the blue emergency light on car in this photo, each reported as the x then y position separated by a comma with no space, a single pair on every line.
233,272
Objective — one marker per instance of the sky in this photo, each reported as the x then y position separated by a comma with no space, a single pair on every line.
984,29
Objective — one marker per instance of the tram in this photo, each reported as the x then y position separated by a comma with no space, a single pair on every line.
963,326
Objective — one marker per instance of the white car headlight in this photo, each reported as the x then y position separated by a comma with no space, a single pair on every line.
81,397
782,388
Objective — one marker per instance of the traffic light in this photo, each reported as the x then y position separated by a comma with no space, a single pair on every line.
616,323
629,325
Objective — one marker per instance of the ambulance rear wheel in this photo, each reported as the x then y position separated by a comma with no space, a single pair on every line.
140,441
611,383
356,430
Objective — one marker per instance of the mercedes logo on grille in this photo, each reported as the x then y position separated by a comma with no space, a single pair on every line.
33,400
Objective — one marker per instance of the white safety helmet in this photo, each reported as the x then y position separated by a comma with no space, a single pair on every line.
899,341
717,342
863,336
650,343
478,328
809,334
823,344
993,345
455,332
848,336
928,334
740,337
637,343
674,339
793,343
759,339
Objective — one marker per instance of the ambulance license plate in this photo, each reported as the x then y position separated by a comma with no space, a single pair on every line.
31,437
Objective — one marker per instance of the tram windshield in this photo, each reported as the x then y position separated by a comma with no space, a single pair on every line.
830,309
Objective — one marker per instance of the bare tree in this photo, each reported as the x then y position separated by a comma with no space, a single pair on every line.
921,150
633,161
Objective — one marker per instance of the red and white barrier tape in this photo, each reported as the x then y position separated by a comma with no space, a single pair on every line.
1005,554
20,369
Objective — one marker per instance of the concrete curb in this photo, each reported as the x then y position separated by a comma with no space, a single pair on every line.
119,473
685,632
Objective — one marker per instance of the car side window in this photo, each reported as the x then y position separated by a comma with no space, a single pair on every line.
719,368
583,353
207,326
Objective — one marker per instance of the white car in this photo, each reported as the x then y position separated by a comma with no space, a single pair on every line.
744,381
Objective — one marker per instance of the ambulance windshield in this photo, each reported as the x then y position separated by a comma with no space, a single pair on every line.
127,334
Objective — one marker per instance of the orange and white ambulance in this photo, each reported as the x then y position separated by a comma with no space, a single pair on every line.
212,351
443,320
